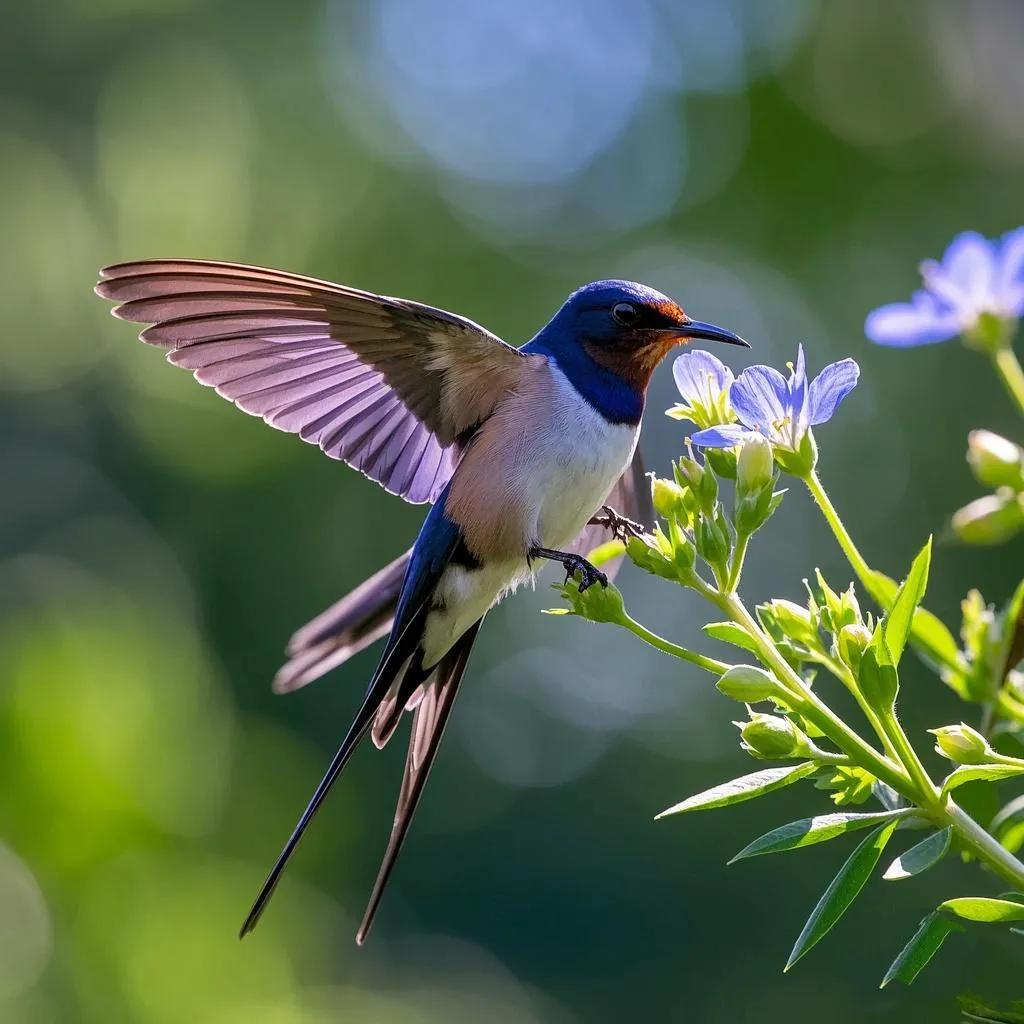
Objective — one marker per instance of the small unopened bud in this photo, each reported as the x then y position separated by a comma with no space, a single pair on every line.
794,620
712,539
598,604
748,684
852,642
990,520
669,500
700,480
962,744
772,736
755,466
995,461
877,681
683,553
648,557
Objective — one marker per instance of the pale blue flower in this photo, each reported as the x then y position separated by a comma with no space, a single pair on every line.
974,277
781,409
703,382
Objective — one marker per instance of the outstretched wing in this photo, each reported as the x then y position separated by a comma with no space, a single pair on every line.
389,386
631,497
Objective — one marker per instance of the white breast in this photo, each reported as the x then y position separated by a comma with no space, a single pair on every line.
583,455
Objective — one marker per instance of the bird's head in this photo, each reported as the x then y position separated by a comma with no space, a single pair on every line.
627,328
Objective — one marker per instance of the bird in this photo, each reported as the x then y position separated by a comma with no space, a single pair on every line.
524,455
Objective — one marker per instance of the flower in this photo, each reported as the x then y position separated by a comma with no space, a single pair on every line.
703,382
781,410
975,277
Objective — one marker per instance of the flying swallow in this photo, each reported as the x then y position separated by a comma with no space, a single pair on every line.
523,454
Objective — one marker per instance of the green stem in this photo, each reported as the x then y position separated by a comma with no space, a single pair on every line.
667,647
739,554
1009,369
810,705
929,794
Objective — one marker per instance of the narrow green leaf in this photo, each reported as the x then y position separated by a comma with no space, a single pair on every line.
730,633
746,788
921,857
928,633
1012,638
842,890
819,829
923,945
976,772
899,621
982,908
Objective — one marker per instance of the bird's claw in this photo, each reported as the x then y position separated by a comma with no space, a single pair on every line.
589,574
621,527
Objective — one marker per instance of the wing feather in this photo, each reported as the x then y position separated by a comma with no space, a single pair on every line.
389,386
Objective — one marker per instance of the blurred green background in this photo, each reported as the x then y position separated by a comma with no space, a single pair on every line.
780,167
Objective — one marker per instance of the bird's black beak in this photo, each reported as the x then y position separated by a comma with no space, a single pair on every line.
695,329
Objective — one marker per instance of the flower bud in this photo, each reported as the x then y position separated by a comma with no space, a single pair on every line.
648,557
748,684
722,461
701,481
598,604
794,620
712,539
877,681
995,461
772,736
683,552
755,466
803,460
669,500
990,520
962,744
851,643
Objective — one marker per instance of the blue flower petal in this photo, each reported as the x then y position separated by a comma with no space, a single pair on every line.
1009,286
829,388
904,324
760,397
700,376
969,264
726,436
798,391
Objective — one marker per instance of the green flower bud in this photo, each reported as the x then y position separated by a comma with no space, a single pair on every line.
669,500
755,466
995,461
794,620
690,473
771,736
990,520
748,685
598,604
843,609
962,744
877,681
712,539
722,461
648,557
683,552
851,643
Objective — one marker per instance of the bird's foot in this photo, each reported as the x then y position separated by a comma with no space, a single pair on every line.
621,527
572,563
589,573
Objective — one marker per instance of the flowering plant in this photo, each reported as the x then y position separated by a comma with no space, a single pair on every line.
755,429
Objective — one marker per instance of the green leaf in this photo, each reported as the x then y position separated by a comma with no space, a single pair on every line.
1011,634
921,857
923,945
809,831
746,788
730,633
928,634
984,909
842,890
899,621
979,772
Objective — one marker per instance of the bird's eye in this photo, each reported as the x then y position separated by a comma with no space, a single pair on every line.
625,313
